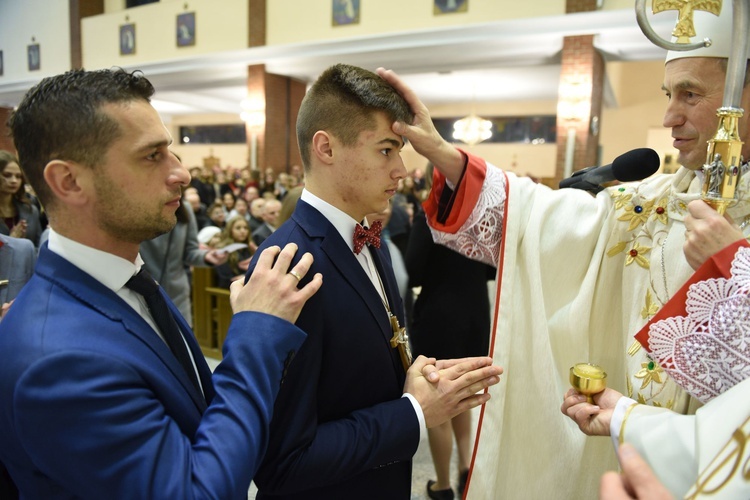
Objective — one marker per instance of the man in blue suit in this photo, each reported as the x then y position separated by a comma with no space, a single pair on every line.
93,402
341,428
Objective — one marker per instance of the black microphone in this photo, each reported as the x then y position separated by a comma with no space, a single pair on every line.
631,166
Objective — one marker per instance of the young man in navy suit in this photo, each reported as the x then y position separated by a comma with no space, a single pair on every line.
341,428
93,401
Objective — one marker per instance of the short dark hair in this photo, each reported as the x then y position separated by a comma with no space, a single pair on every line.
61,119
342,101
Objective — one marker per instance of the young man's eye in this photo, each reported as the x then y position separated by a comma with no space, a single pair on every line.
386,151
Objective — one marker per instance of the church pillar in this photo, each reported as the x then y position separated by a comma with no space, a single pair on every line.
271,109
579,100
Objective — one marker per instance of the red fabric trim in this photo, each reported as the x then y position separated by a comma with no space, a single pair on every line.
465,197
493,336
718,266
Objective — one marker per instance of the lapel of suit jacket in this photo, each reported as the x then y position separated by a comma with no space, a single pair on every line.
342,258
98,297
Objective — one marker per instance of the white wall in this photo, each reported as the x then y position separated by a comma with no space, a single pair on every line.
221,25
47,21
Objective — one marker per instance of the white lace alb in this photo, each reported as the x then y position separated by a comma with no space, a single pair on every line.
708,351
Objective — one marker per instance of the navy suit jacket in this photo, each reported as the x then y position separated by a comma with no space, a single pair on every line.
340,427
94,405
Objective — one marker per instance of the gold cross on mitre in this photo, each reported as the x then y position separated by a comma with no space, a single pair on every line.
684,29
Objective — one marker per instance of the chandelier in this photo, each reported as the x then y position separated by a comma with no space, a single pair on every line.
472,129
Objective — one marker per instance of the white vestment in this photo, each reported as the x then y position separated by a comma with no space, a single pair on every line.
713,445
578,276
702,339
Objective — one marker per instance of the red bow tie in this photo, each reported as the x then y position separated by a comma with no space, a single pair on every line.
370,235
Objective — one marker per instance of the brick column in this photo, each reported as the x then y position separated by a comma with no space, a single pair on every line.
6,143
579,99
275,100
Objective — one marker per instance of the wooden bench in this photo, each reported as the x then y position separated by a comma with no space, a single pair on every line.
212,312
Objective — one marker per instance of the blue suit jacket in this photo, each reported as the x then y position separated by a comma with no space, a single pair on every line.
340,427
94,405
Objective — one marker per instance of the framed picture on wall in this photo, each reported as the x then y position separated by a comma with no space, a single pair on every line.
34,57
1,63
186,29
450,6
127,39
344,12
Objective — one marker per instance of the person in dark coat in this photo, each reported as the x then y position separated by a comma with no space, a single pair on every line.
451,319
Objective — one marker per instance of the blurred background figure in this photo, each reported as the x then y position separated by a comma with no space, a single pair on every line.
169,257
236,261
451,319
397,260
217,215
227,201
193,200
240,209
17,259
19,217
256,213
209,237
270,221
288,204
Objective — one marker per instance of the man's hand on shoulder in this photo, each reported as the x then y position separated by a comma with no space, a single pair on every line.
457,387
272,288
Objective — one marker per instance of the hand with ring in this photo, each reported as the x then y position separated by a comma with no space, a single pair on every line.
268,292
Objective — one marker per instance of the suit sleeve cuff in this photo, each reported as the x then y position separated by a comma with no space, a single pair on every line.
419,412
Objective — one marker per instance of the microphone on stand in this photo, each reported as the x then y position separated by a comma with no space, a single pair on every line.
634,165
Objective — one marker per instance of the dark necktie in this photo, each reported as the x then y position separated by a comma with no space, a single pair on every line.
145,285
364,235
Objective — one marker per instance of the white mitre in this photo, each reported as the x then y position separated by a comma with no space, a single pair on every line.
708,25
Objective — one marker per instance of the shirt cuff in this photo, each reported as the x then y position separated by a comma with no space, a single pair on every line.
419,412
618,416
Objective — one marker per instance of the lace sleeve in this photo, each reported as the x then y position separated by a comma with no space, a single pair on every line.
480,236
708,350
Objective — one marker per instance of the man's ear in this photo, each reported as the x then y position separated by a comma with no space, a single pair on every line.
322,149
66,181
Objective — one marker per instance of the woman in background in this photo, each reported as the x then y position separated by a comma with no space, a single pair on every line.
236,231
19,218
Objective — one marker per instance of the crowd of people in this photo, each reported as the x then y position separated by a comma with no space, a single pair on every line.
104,390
